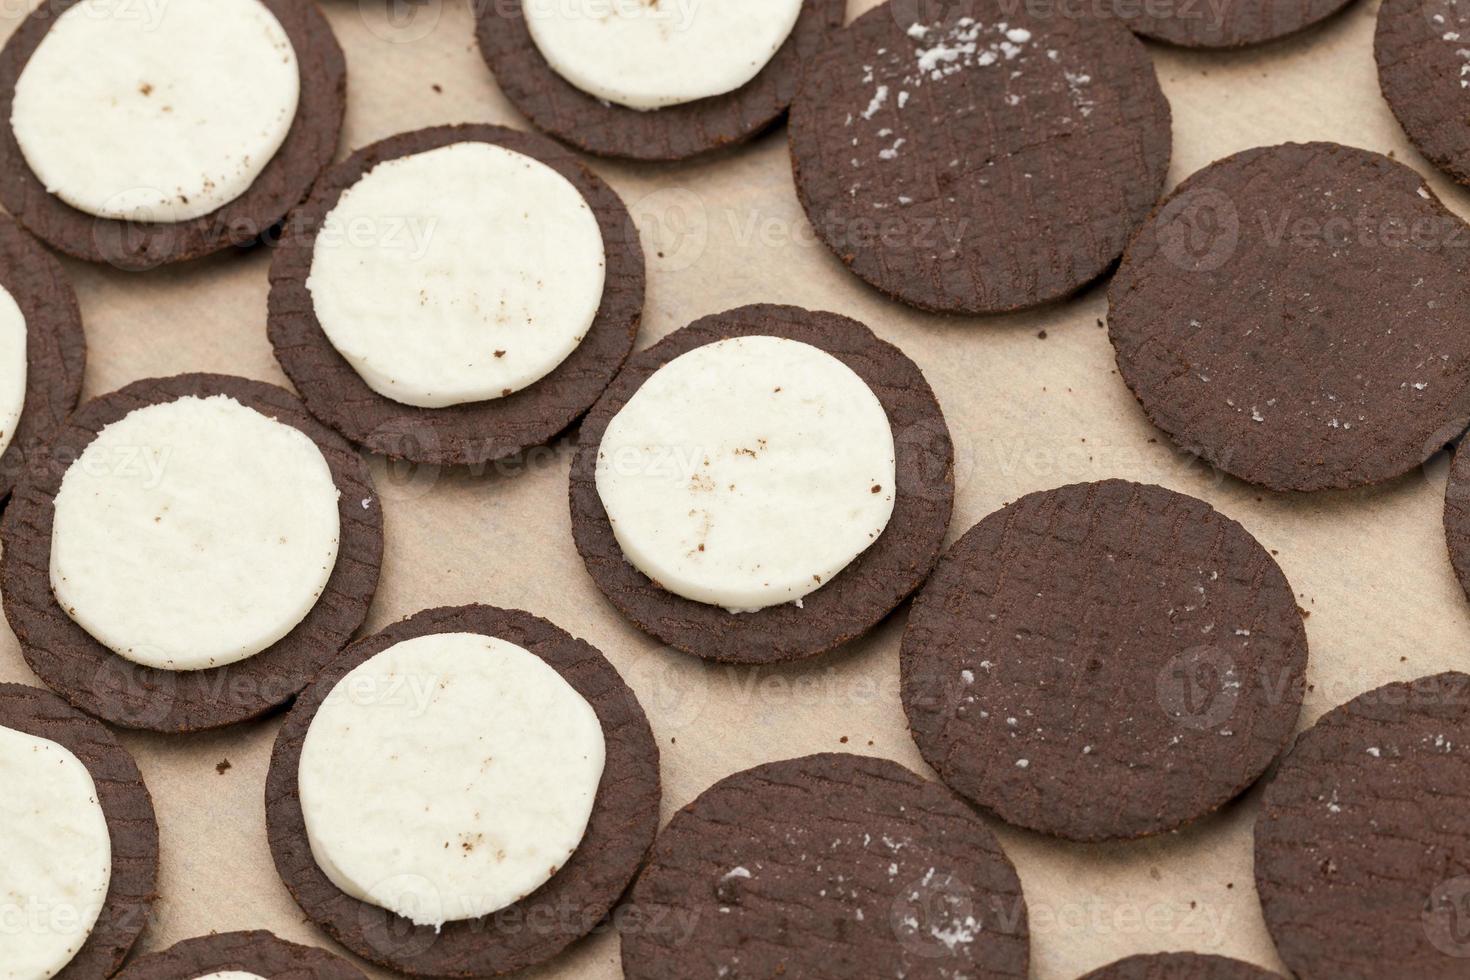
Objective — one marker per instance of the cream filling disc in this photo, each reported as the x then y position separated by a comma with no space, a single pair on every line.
194,533
13,367
748,472
448,777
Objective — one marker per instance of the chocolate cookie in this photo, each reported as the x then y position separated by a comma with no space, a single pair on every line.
131,695
1180,966
865,591
256,952
1363,840
624,818
56,347
1295,316
1224,23
1422,70
139,245
975,158
676,132
474,433
128,808
830,865
1103,641
1457,517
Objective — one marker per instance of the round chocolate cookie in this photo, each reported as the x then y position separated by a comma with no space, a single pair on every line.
1457,517
132,695
1363,840
473,433
256,952
1103,641
139,245
831,865
56,347
864,592
1180,966
1295,316
1224,23
556,106
621,830
126,805
983,161
1422,70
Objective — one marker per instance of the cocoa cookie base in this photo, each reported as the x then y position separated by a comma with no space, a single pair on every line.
256,952
131,695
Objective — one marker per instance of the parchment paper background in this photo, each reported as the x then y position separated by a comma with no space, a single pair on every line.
1027,413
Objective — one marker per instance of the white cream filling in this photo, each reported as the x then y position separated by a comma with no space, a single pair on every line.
194,533
448,777
457,275
231,975
13,367
55,856
748,472
647,54
158,111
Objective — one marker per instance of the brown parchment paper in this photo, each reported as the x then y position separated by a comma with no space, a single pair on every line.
1027,413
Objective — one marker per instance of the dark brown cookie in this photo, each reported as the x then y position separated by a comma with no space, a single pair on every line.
1295,315
56,347
256,952
559,108
479,432
1180,966
126,805
1457,517
828,866
100,682
570,905
1363,840
1103,642
1422,68
972,157
137,245
865,591
1223,23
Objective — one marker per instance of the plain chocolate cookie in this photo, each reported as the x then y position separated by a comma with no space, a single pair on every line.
1103,661
1180,966
478,432
826,867
132,695
566,908
556,106
864,592
1363,840
128,809
1295,316
139,245
1223,23
976,157
1422,68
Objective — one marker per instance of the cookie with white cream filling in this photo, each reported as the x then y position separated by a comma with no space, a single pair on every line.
653,81
253,955
493,317
473,931
178,157
855,474
102,813
181,523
